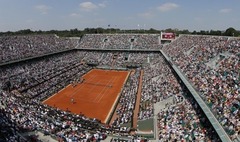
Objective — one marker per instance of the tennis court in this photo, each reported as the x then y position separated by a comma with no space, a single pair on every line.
95,96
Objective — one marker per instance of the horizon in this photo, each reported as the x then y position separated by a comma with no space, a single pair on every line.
46,15
129,30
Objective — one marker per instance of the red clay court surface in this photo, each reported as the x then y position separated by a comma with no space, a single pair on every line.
95,97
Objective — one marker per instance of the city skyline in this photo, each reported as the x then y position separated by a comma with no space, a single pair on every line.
136,14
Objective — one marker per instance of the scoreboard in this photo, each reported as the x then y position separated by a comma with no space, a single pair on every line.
167,36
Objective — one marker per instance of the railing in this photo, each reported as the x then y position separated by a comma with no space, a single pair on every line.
211,117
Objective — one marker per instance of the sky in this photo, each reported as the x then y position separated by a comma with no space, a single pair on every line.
124,14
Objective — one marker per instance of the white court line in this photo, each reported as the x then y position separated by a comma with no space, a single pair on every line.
110,82
105,88
102,91
108,88
117,98
79,89
90,90
94,86
55,94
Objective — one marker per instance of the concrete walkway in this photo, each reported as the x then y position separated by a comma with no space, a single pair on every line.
157,108
44,138
138,100
40,136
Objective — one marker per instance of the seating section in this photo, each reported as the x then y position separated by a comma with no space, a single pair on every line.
121,41
210,63
20,47
127,100
32,82
146,41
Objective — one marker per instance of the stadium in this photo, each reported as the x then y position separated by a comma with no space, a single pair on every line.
120,87
119,71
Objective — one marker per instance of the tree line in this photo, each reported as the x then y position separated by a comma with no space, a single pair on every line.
79,33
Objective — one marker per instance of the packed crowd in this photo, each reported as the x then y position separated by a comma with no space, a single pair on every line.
129,140
19,47
183,122
8,130
32,82
158,83
146,41
26,84
117,41
31,115
212,65
37,77
127,100
120,41
92,41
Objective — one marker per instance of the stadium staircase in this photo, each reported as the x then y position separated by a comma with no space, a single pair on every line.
131,46
189,51
102,57
103,45
214,62
115,56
